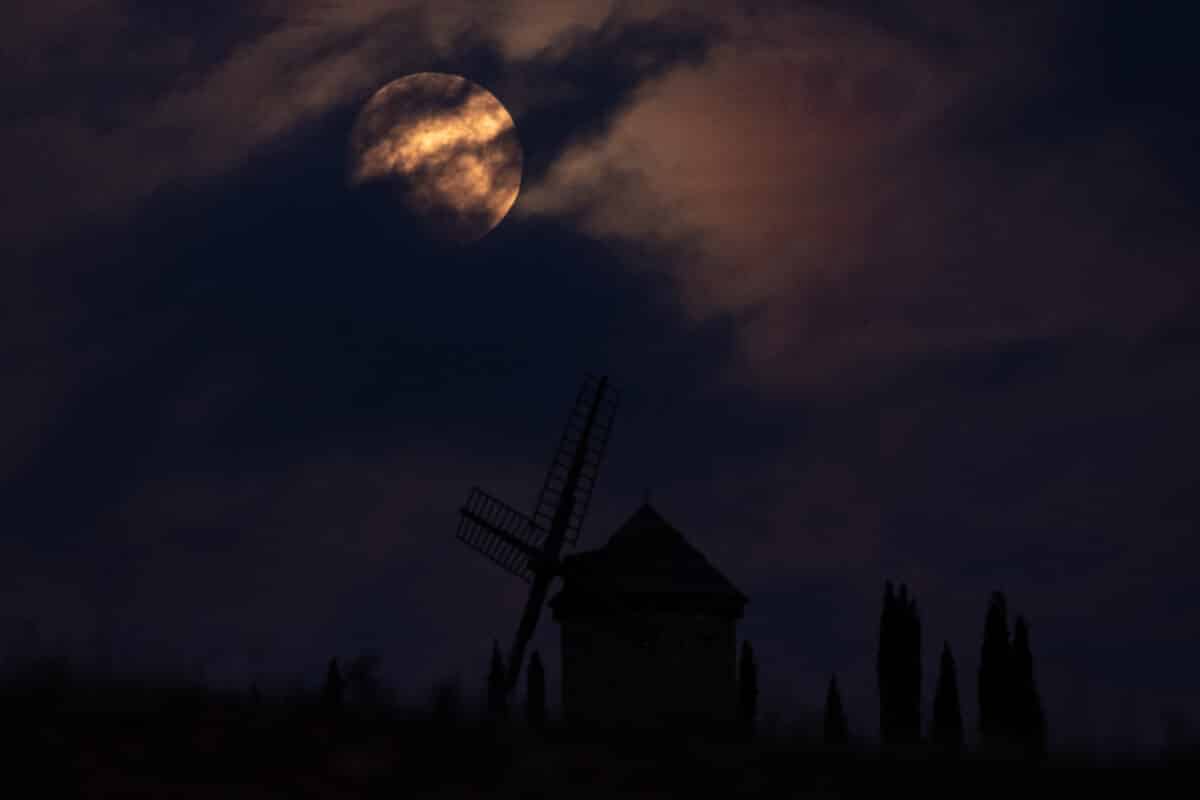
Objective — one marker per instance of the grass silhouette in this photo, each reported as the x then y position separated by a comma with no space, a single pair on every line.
153,736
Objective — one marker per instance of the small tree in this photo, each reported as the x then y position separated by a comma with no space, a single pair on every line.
333,690
836,730
497,699
535,694
363,684
946,731
747,689
1028,720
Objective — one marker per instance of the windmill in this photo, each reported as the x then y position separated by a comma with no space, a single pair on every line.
530,546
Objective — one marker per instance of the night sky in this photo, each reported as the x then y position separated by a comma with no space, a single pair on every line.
891,290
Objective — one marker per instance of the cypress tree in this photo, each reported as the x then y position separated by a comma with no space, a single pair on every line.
994,673
885,667
535,694
836,730
947,728
747,689
1028,720
497,700
898,667
334,687
909,679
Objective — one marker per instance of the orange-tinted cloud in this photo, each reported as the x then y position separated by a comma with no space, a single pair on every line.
814,185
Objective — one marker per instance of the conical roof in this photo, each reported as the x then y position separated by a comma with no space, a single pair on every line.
649,561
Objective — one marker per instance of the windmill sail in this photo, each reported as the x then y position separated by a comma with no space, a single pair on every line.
577,456
500,532
529,547
597,401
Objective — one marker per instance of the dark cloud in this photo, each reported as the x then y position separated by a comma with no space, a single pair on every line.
1108,67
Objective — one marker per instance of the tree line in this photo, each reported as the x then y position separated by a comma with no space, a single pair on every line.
1010,718
1010,715
361,679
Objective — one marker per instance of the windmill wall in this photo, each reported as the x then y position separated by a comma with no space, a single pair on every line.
648,667
648,630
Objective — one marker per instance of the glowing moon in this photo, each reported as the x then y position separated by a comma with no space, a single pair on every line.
444,149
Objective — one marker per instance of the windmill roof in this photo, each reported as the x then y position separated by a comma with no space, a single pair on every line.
649,558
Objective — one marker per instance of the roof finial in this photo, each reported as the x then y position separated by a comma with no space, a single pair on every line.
646,497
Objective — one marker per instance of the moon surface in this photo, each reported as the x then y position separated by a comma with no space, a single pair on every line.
443,150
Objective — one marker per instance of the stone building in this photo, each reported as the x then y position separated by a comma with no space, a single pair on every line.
648,630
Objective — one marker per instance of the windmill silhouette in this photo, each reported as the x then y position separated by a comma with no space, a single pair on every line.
530,546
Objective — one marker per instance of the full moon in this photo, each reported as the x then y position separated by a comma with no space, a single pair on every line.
443,150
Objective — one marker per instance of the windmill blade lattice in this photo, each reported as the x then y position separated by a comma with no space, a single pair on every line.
530,547
551,496
500,532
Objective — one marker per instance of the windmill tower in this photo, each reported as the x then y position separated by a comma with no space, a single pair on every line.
530,547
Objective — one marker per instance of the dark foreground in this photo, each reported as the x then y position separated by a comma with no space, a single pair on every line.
133,742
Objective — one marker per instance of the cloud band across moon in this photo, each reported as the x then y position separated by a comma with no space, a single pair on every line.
445,148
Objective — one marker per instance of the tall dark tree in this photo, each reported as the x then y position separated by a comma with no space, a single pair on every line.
497,696
334,689
994,673
836,730
747,689
898,667
946,731
885,665
1028,721
535,693
909,670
